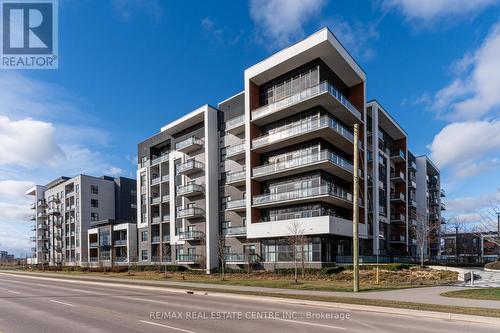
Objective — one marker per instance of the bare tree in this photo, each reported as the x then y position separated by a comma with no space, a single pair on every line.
489,223
423,231
458,225
297,241
166,254
221,253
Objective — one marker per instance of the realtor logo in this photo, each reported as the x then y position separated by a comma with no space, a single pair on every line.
28,32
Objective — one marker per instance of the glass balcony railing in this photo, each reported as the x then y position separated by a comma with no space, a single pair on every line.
160,159
303,127
235,176
189,166
120,242
192,141
232,204
235,122
324,155
156,219
332,190
303,95
399,174
166,238
191,212
191,234
155,239
398,153
156,200
232,231
398,217
240,257
397,197
194,258
235,150
190,189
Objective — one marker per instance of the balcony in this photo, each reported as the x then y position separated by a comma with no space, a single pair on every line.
191,213
398,218
33,217
236,125
442,193
33,238
33,228
41,203
189,259
155,239
398,197
121,259
236,153
58,248
42,226
327,193
191,235
189,145
121,242
413,184
166,238
155,180
94,244
322,127
235,231
160,159
236,205
190,167
413,203
239,258
165,198
190,190
53,198
43,238
33,206
236,178
54,211
156,200
165,178
156,219
70,207
443,206
398,239
165,218
412,165
398,177
398,155
324,94
324,160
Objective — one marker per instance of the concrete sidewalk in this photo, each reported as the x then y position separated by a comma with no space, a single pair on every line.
426,295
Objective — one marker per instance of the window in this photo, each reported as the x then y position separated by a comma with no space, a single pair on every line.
144,236
77,188
133,193
94,203
94,189
144,255
94,216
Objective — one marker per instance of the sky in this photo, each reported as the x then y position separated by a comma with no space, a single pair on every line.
128,67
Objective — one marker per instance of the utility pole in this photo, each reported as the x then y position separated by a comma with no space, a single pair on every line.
355,213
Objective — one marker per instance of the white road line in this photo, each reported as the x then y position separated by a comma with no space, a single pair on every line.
166,326
59,302
311,324
13,292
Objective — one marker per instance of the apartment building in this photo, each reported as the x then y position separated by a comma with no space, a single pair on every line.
429,205
233,181
469,247
388,182
66,208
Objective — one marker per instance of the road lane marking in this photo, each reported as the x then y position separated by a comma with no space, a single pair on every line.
13,292
63,303
166,326
311,324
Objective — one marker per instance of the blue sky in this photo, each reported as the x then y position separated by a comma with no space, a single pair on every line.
128,67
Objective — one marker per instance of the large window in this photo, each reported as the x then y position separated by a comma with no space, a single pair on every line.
144,255
94,203
276,250
94,216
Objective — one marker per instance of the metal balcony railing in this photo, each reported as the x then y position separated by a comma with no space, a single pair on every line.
194,258
191,165
233,231
191,235
239,203
160,159
235,176
307,93
304,127
398,153
332,190
324,155
192,141
190,189
191,212
120,242
232,151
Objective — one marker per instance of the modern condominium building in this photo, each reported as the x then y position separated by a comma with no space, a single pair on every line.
429,206
274,160
66,208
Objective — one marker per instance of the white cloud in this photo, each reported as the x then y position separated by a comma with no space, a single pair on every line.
28,142
462,144
469,209
220,35
474,92
128,8
14,190
356,36
432,10
281,22
113,171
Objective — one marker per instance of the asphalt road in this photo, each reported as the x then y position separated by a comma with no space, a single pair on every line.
33,304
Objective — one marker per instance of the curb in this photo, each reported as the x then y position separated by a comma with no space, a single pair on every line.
277,299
